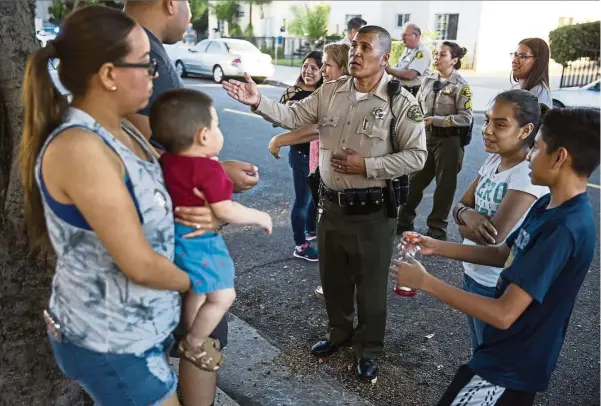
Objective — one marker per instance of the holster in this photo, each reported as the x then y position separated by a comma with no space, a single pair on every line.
314,180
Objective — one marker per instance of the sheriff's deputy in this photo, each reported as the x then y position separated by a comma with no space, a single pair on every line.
355,231
446,100
414,63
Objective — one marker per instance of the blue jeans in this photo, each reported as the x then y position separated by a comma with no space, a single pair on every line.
476,326
304,215
118,379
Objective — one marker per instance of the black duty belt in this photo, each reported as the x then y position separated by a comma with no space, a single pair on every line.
448,131
356,201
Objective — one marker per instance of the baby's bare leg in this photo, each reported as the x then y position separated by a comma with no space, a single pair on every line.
210,314
192,304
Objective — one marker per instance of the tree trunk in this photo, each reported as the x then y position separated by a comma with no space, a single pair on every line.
28,373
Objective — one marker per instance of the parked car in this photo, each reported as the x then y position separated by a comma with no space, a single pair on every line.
44,36
585,96
221,58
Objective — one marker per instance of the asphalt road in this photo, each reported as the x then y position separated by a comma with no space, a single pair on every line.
275,290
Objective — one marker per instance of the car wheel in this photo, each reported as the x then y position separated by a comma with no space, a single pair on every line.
181,69
558,104
260,80
218,74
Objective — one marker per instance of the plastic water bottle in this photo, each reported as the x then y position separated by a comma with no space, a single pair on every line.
409,250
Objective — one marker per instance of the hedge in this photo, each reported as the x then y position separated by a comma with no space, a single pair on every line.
571,42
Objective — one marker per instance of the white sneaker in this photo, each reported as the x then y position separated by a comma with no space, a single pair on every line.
319,290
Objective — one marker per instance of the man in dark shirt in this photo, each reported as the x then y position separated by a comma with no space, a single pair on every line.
546,261
165,22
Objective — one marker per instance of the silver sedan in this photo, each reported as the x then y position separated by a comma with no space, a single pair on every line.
221,58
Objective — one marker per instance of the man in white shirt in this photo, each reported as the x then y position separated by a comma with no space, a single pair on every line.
414,64
353,25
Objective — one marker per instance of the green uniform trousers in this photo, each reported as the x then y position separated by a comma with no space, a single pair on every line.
354,256
445,158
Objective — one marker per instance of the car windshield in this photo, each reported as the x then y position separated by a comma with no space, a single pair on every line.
242,47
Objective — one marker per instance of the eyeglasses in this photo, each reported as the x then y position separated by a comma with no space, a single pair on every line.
151,66
521,57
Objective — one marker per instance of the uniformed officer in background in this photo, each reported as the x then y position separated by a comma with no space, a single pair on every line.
414,63
446,101
355,231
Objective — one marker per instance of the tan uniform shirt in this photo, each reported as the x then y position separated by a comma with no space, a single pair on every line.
453,104
418,59
362,125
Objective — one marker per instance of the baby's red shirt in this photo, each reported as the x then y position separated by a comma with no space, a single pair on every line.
183,173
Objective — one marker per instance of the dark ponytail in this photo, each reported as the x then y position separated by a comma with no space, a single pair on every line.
88,38
456,52
44,109
526,110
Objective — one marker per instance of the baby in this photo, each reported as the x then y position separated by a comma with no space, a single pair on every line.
185,122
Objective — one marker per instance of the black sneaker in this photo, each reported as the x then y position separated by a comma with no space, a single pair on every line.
311,236
306,252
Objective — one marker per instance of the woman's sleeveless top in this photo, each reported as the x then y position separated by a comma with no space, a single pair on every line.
96,305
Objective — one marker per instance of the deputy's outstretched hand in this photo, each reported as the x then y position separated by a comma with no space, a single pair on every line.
246,93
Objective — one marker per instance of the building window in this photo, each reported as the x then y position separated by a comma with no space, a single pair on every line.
402,19
349,17
446,26
566,21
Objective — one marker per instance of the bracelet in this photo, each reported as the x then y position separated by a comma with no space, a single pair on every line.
458,213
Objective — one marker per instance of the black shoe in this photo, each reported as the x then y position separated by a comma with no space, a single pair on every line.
437,235
366,369
400,229
326,348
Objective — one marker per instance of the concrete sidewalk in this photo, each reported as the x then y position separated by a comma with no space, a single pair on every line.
485,86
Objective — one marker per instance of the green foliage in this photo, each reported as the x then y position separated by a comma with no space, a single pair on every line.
571,42
269,51
61,8
249,32
198,8
58,10
310,22
228,10
235,30
333,38
396,52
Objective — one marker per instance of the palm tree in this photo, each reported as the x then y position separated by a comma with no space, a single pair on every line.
228,10
261,3
310,22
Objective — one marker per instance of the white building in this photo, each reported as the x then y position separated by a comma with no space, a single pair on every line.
490,30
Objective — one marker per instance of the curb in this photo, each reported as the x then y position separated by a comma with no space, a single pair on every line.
254,374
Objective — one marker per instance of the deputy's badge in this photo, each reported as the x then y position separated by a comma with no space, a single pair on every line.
419,55
447,91
378,113
468,105
447,121
467,92
414,113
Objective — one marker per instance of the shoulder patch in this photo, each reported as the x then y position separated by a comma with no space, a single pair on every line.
414,113
467,92
419,55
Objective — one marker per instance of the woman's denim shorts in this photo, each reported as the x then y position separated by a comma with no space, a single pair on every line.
119,379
